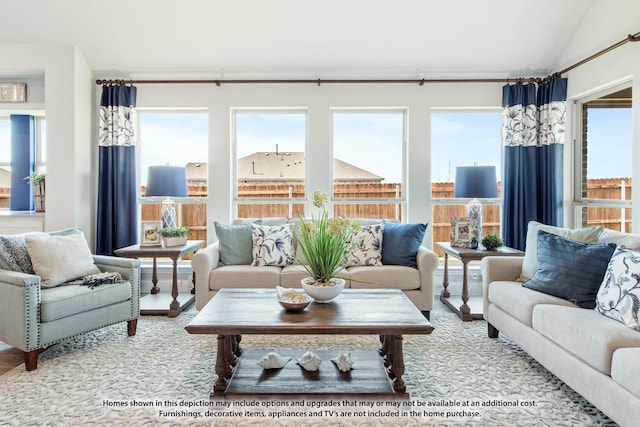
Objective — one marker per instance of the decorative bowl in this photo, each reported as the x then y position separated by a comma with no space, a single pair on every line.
291,299
325,293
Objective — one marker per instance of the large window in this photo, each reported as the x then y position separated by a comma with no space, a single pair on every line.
270,165
463,139
603,181
368,163
176,138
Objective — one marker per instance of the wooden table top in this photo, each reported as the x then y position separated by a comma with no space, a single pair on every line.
135,251
467,254
354,312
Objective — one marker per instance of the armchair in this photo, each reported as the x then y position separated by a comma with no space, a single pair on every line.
34,316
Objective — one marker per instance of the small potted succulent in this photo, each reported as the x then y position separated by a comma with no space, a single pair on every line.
37,181
491,242
174,236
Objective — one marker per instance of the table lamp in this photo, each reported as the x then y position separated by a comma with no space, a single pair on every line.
475,182
167,181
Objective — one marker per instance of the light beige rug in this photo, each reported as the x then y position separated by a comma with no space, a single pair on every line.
163,376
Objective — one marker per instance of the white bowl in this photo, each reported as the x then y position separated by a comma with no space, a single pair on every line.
323,293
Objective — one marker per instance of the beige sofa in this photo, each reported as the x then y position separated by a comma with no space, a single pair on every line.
595,355
416,283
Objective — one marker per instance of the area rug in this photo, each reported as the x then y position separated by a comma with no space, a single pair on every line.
164,376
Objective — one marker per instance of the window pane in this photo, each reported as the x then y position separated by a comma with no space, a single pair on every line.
43,140
270,149
368,155
463,139
258,210
618,219
369,210
491,217
5,140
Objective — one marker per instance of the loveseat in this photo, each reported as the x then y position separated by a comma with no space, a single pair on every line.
53,288
415,281
596,355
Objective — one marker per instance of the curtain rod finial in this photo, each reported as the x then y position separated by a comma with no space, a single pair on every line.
633,38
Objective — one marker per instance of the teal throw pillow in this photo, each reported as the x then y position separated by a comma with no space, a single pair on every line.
235,243
569,269
400,243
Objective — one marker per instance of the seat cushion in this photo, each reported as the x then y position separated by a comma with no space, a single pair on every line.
625,369
66,300
586,334
385,277
519,301
244,276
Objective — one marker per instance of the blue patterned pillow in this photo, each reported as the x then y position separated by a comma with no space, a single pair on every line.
569,269
14,255
619,293
272,245
366,246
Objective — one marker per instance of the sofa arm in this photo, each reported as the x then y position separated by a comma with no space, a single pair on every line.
498,268
202,263
19,305
427,262
128,267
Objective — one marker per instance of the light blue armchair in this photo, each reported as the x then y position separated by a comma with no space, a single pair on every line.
32,316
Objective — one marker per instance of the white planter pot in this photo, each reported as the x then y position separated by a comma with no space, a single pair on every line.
322,293
174,241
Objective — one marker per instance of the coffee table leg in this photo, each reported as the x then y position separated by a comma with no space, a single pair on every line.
398,365
224,358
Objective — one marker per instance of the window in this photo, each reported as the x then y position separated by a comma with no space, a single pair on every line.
463,139
177,138
270,165
604,177
368,163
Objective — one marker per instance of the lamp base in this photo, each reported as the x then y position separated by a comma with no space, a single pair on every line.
474,210
168,213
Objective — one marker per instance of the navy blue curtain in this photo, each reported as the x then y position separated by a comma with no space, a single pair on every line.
533,129
117,222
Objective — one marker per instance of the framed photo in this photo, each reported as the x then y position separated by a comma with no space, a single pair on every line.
463,230
151,233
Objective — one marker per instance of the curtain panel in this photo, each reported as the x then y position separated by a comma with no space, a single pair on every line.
117,208
533,130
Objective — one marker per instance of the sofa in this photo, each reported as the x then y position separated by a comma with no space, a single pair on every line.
53,288
595,354
416,281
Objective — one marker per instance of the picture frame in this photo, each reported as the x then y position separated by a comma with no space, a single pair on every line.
463,231
150,233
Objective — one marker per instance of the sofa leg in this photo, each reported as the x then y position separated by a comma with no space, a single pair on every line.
492,331
31,359
131,327
427,314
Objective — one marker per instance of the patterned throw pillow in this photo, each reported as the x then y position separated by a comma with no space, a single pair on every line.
366,246
14,254
272,245
619,293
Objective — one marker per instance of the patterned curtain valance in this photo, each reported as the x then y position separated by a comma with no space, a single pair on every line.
117,115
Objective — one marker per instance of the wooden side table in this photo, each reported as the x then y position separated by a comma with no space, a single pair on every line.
466,255
155,302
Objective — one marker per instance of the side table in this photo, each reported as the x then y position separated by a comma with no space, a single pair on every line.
466,255
155,302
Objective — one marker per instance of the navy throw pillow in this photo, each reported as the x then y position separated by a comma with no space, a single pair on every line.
569,269
400,243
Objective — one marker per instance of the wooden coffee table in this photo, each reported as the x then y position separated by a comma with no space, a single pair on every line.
234,312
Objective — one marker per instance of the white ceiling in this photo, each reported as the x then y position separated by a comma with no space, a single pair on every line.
306,38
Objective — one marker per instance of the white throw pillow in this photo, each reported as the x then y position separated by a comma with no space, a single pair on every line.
366,246
272,245
619,293
59,259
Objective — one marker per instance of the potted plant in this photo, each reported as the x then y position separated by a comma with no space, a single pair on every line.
174,236
323,250
37,181
491,242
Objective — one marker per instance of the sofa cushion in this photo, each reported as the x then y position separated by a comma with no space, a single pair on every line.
626,240
366,246
59,259
272,245
401,243
385,277
530,262
235,243
625,369
67,300
519,301
291,275
619,293
244,276
586,334
569,269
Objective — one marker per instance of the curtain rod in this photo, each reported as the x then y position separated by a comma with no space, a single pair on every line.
218,82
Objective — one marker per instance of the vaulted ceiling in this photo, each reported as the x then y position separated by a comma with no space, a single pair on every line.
307,38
